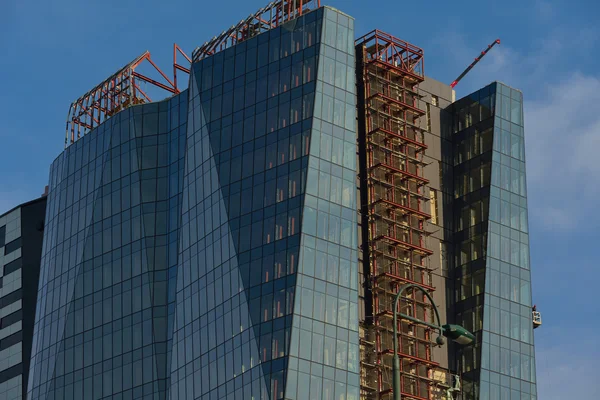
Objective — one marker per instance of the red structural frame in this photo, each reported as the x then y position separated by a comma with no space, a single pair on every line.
119,91
393,141
267,18
394,53
122,89
474,63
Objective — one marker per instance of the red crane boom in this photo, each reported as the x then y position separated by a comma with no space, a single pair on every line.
470,67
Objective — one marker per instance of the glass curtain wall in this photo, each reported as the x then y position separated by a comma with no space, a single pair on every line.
197,247
109,260
247,155
260,251
492,274
324,353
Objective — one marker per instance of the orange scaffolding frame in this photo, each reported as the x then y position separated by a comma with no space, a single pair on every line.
395,252
118,92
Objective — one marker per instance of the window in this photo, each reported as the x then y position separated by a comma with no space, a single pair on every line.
444,258
12,246
428,112
434,100
434,206
13,266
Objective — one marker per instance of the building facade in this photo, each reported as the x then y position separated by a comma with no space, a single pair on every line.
205,246
270,219
492,272
244,239
21,235
398,156
107,292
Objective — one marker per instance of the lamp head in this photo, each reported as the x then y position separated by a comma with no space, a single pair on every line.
458,334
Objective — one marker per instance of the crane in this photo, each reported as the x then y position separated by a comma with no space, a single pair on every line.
470,67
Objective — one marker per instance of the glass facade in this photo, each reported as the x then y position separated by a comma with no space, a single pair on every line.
492,275
106,297
204,247
269,136
324,353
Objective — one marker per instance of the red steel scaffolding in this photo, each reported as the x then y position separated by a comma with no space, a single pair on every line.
389,71
121,90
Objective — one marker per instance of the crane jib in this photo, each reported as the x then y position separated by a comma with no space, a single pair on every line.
466,71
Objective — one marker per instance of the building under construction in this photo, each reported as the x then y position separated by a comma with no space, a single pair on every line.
394,213
252,236
432,175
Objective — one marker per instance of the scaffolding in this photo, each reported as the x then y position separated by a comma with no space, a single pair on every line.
118,92
394,210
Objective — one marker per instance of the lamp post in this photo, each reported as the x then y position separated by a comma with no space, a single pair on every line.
455,332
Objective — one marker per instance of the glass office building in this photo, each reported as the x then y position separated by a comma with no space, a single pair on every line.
492,272
107,291
207,246
204,247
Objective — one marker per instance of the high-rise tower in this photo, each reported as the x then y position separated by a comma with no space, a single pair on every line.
205,246
245,238
492,279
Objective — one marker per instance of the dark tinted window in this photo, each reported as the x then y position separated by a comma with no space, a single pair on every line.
11,372
11,340
11,319
13,266
12,246
10,298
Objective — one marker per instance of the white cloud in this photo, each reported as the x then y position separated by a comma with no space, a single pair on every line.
552,218
514,68
562,124
563,376
568,370
562,131
543,10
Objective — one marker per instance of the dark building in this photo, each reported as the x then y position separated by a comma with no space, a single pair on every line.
492,272
21,235
245,238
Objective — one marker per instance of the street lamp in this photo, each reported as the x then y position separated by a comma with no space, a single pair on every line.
455,332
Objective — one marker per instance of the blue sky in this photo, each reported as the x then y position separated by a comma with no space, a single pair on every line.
52,52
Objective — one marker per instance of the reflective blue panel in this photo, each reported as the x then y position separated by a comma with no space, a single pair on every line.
490,184
195,248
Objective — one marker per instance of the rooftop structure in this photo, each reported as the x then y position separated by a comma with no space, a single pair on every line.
273,15
118,92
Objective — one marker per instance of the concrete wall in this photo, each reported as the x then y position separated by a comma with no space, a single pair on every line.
438,156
